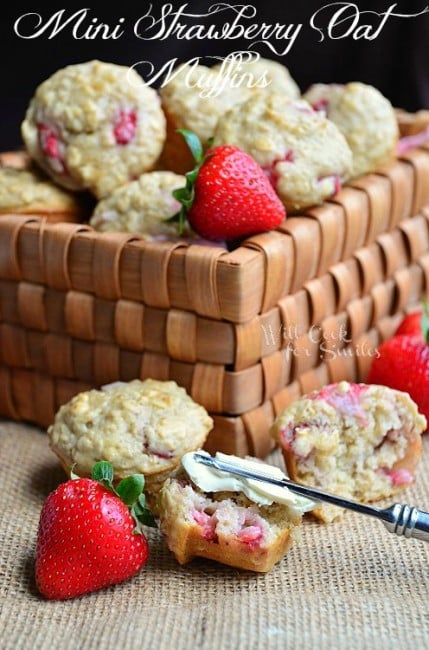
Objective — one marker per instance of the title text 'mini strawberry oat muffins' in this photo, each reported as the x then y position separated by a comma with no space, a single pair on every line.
142,206
366,119
210,514
94,126
140,427
303,154
357,440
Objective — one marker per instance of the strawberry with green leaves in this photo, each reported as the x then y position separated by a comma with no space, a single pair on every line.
227,195
90,534
403,361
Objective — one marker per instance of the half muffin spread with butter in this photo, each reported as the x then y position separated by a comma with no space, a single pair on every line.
236,521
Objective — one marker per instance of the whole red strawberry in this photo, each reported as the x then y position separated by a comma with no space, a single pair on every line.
415,323
403,363
88,538
227,196
411,325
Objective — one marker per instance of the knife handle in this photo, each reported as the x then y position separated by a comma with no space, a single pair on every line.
406,521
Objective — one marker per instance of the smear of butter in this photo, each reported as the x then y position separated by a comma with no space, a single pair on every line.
210,479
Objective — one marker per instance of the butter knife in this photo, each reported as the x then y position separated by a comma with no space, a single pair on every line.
401,519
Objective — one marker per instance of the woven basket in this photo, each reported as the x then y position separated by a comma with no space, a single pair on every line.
245,332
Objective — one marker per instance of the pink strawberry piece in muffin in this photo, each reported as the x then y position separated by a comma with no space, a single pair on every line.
165,454
251,532
207,523
248,527
125,127
159,454
250,535
336,183
321,105
400,477
349,402
52,147
289,435
270,170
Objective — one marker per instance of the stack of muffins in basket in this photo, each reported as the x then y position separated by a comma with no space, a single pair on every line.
245,327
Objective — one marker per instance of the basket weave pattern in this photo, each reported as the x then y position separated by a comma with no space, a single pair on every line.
245,332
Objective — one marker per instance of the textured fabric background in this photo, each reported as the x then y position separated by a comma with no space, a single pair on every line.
350,585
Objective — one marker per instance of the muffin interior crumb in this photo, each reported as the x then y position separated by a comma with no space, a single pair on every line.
348,443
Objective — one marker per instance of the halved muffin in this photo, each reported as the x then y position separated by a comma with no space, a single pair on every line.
224,526
357,440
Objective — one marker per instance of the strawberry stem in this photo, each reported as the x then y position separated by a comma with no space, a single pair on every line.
129,490
425,320
103,473
194,144
185,195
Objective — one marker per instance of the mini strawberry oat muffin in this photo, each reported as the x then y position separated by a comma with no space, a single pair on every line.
366,119
230,519
140,427
94,126
226,527
357,440
142,206
194,99
303,154
24,191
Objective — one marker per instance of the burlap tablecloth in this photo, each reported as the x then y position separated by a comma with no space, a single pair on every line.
349,585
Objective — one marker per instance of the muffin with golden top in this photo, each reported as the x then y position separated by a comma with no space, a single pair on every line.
94,126
366,119
143,206
303,154
141,427
26,191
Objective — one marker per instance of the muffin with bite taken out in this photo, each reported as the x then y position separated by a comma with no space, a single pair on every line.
233,520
